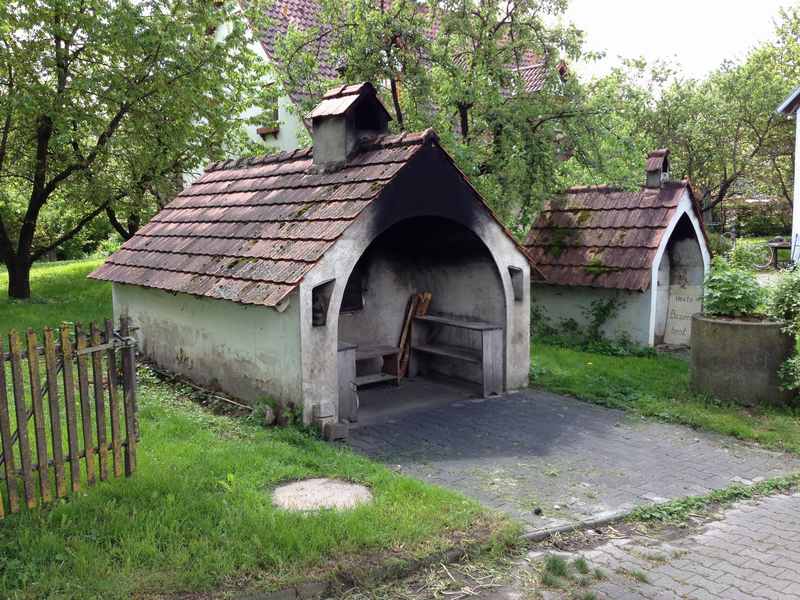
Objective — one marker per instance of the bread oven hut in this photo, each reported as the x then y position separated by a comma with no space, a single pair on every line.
642,253
289,276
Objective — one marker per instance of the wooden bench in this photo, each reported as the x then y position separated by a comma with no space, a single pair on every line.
489,356
390,368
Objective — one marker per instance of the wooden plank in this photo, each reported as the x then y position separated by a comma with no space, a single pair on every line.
492,362
73,447
373,378
457,352
378,351
22,420
7,444
51,369
113,400
405,335
465,324
129,387
86,411
99,403
35,384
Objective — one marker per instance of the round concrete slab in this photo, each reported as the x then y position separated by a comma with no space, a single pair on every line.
316,494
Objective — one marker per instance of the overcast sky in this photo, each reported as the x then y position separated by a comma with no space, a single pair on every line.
700,34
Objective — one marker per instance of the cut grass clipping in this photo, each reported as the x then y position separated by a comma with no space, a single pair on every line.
679,511
658,386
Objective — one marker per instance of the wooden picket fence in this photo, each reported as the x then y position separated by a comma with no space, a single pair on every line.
98,364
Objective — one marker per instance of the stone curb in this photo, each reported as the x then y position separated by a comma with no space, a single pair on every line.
315,590
539,535
319,589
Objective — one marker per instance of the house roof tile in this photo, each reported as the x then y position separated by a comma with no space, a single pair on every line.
602,236
249,230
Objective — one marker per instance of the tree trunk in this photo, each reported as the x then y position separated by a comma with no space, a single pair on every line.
19,279
463,118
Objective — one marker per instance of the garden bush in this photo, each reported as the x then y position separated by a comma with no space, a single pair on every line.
731,291
784,305
747,254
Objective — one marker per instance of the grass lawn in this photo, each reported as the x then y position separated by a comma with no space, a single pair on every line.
60,292
197,515
657,387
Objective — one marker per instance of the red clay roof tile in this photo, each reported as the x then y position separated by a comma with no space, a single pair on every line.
249,230
602,236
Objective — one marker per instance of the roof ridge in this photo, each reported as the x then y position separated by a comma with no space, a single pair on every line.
603,187
251,161
388,140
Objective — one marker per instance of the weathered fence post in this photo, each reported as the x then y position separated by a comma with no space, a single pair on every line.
69,408
5,437
51,370
113,400
129,375
22,419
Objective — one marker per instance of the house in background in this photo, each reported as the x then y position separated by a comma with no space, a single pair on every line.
644,252
283,125
288,276
789,107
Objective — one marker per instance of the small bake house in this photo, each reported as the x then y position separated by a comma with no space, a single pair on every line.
642,254
308,275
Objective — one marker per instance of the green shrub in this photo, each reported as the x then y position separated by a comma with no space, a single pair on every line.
784,306
784,301
748,255
719,244
731,291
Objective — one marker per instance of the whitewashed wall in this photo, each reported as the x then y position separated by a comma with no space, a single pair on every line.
250,352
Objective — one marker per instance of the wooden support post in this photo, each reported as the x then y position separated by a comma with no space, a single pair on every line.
129,387
99,403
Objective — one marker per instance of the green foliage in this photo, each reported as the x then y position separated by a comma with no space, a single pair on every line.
106,105
463,82
718,244
731,291
657,386
679,511
556,565
599,313
784,301
569,332
784,306
772,219
61,292
748,254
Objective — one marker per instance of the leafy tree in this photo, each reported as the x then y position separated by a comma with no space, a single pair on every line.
104,104
452,64
722,130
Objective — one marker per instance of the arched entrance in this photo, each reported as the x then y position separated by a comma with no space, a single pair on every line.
679,291
422,254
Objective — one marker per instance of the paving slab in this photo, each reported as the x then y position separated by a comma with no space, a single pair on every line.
549,460
752,551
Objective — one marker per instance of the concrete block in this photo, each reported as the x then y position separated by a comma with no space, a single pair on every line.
324,410
336,431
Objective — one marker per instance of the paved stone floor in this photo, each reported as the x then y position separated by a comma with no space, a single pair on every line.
752,551
533,452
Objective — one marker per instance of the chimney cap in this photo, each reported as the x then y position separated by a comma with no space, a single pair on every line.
658,160
341,100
